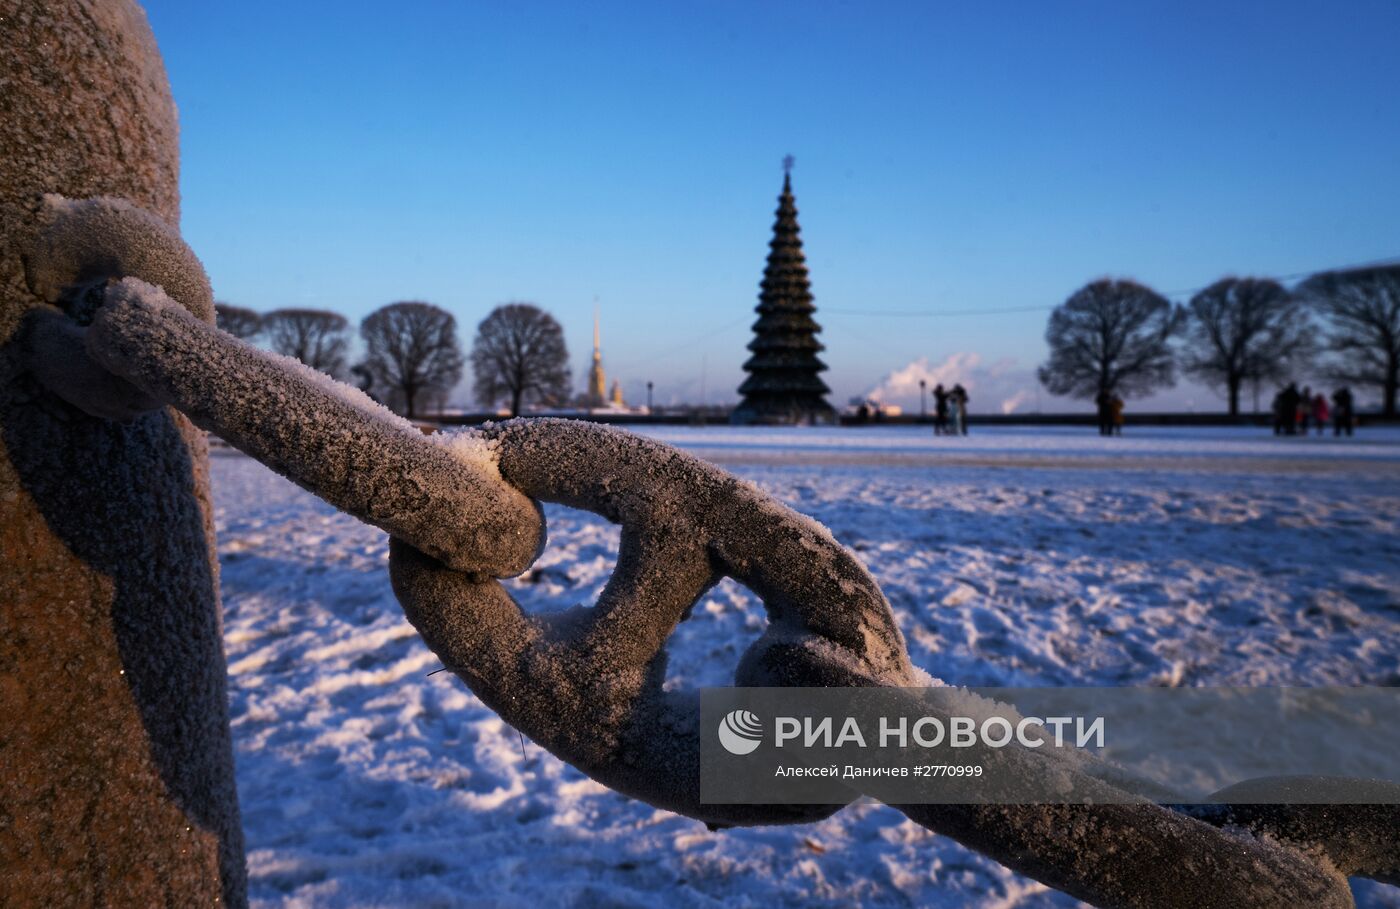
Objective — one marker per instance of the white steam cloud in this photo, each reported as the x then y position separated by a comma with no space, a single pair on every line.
1001,386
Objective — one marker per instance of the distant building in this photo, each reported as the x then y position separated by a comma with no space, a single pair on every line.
596,395
783,385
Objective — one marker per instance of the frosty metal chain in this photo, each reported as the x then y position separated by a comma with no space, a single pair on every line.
94,259
587,684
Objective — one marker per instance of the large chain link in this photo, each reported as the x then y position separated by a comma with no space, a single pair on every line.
587,684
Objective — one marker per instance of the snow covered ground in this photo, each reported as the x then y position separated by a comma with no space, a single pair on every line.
1011,557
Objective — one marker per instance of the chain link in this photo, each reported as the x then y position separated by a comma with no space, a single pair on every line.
587,684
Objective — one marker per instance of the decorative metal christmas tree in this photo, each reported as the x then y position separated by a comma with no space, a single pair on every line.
783,385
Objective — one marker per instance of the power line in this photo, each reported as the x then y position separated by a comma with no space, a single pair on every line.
917,313
1378,263
631,366
1171,294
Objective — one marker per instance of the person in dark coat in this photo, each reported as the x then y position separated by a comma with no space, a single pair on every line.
958,398
1289,408
1104,402
940,410
1279,410
1342,416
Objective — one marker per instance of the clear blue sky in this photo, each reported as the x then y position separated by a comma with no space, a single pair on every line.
949,157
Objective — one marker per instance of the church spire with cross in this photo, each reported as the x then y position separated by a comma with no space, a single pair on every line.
597,380
783,385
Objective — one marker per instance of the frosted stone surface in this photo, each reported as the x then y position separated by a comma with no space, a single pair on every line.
116,769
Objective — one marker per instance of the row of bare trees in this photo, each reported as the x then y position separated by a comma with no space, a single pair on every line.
1118,337
412,353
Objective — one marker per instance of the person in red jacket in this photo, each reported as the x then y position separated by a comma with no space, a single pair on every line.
1320,412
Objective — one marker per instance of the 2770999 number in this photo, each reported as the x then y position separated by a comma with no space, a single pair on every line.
933,770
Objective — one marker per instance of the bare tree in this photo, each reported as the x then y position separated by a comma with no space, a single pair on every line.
411,352
1361,309
238,321
317,337
519,353
1245,328
1111,337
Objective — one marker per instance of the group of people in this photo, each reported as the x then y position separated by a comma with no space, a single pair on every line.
1296,411
950,410
1110,411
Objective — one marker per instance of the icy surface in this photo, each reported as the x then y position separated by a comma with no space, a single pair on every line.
1174,447
1217,557
472,448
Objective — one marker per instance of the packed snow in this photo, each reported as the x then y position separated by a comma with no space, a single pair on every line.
1011,557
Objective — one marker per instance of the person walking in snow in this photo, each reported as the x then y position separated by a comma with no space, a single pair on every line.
1288,408
1116,409
1342,417
940,410
958,400
1104,403
1304,410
